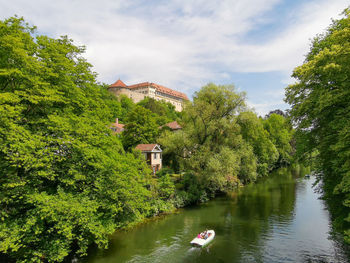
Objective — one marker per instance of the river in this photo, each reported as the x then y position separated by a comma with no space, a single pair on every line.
279,219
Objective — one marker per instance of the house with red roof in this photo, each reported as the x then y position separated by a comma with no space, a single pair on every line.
174,126
153,155
138,92
117,127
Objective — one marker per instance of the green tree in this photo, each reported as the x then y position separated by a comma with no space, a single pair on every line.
65,181
141,127
321,110
254,133
281,133
249,165
176,146
210,143
164,112
166,187
278,111
115,106
127,105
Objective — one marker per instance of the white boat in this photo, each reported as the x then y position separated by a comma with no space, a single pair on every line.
204,239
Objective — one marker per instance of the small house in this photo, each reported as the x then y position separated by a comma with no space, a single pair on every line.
153,155
173,126
117,127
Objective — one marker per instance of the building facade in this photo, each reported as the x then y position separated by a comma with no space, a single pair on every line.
152,154
139,91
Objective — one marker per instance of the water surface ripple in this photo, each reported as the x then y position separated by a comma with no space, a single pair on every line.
280,219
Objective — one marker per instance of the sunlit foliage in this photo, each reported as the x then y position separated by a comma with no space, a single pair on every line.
320,101
65,181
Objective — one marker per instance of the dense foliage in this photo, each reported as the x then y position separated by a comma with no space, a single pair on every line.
320,102
281,134
222,143
65,182
143,121
253,132
141,127
126,106
164,112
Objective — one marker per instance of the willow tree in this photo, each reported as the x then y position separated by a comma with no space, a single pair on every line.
65,181
210,143
320,101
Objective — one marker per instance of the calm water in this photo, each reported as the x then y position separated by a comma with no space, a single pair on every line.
279,219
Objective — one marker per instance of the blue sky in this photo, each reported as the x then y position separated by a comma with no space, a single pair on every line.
253,44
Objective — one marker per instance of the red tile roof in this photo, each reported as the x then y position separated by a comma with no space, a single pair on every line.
118,83
169,91
173,125
159,88
117,125
145,147
139,85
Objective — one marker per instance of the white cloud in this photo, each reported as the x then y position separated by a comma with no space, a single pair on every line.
176,42
288,49
181,44
263,109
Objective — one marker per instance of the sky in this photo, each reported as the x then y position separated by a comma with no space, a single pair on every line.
185,44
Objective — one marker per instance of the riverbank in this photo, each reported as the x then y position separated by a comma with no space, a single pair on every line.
278,219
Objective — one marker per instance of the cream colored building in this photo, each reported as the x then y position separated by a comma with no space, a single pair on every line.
152,154
139,91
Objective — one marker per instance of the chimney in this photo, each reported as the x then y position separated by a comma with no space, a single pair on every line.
116,120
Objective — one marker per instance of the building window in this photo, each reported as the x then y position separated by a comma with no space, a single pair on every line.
155,156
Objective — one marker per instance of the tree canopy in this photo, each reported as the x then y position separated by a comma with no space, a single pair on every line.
141,127
164,112
253,132
281,134
320,101
223,143
65,181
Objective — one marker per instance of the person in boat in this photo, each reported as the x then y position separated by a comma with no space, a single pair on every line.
203,234
199,235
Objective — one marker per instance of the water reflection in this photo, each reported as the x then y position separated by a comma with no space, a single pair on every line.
280,219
